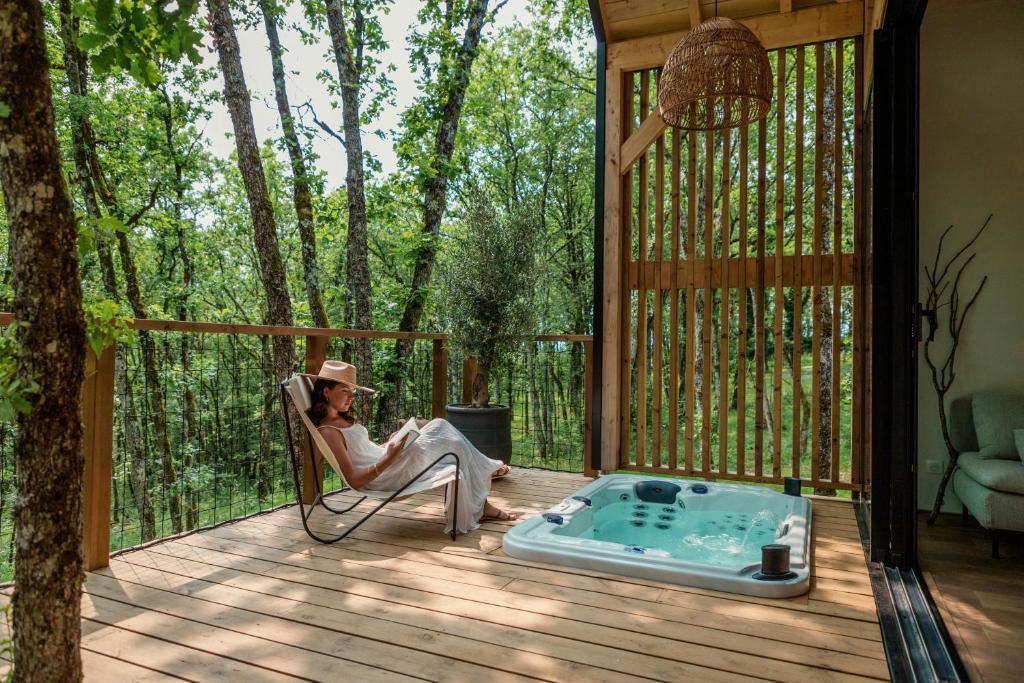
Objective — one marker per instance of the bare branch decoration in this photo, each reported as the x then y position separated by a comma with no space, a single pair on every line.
944,374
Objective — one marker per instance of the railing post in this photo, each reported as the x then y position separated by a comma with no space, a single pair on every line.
439,386
316,353
98,441
588,422
468,375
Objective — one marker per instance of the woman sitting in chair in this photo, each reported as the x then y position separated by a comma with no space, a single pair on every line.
389,466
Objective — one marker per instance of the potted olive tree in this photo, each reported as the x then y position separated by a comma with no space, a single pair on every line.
488,281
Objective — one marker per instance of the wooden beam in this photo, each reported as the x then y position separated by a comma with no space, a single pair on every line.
98,422
612,292
588,425
800,27
638,143
878,14
693,7
468,375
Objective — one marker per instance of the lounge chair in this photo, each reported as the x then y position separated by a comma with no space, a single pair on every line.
296,389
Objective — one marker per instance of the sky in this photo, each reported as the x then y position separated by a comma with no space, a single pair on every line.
302,63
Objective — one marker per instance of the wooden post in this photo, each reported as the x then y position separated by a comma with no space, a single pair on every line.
316,353
588,423
611,416
468,375
439,383
98,422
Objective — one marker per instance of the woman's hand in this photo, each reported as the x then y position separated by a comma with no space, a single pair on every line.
395,447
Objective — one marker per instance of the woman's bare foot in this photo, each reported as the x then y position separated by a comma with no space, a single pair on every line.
502,471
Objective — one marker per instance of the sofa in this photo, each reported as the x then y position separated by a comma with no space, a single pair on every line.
989,478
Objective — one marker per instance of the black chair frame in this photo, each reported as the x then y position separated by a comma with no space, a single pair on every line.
305,511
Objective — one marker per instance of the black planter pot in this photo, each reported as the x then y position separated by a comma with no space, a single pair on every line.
489,429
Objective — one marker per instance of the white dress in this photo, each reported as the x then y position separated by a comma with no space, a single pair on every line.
436,438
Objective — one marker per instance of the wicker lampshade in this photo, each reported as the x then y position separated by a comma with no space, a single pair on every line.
717,77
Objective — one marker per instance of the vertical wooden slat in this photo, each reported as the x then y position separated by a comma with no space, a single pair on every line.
439,383
709,253
798,291
837,248
659,331
614,285
673,340
856,475
626,322
759,318
691,296
819,194
642,333
316,353
588,424
741,359
723,326
780,192
98,447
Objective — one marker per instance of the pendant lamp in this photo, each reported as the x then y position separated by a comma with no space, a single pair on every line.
716,77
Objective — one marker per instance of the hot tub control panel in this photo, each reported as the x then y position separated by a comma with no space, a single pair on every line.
563,512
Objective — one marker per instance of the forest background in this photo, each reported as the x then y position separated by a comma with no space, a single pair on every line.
326,189
330,189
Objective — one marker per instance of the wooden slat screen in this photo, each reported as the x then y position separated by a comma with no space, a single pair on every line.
742,325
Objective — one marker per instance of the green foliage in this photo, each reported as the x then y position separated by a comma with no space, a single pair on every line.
91,229
488,281
15,394
131,36
104,325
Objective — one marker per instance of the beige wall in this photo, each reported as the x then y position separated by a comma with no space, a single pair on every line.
972,163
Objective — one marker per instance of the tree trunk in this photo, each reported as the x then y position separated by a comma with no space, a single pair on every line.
83,140
94,190
301,194
822,300
539,441
189,430
271,267
154,392
434,203
481,397
357,263
139,475
51,353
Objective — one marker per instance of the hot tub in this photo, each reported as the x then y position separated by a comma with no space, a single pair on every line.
702,534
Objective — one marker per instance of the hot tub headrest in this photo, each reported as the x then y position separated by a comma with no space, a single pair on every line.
656,491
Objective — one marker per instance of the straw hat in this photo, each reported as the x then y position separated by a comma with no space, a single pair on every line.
341,372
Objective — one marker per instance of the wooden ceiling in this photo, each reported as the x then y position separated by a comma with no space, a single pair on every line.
626,19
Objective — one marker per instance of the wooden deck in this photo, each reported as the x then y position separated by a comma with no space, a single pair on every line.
257,600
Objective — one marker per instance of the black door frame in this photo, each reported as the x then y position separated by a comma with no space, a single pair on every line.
895,313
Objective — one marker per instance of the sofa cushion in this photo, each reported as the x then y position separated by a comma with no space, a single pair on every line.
1018,438
997,474
995,417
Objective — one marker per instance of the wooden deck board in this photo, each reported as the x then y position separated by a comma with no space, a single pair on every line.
398,600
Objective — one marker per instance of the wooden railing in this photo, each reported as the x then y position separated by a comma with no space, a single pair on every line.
104,416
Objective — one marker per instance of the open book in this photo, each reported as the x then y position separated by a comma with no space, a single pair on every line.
409,428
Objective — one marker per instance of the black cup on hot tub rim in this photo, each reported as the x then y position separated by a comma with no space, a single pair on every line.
774,563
